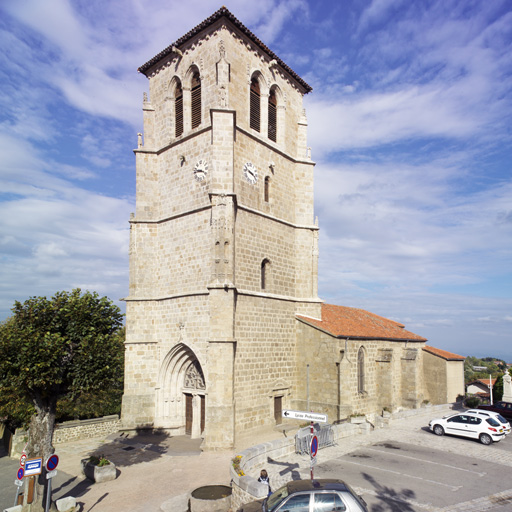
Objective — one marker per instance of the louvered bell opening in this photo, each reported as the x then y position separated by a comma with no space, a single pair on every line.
178,107
255,106
196,101
272,116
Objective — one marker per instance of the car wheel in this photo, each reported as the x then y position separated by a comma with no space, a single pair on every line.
485,439
438,430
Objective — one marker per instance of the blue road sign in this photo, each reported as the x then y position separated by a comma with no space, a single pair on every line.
314,446
20,474
33,466
52,462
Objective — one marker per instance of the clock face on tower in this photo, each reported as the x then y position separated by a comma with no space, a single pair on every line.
250,173
201,170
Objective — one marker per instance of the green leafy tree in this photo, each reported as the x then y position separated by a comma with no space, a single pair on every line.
497,389
68,346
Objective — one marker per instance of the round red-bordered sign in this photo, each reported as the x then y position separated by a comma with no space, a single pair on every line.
23,458
314,446
52,462
20,474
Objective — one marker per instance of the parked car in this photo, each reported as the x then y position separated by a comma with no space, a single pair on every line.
503,408
474,426
498,417
322,495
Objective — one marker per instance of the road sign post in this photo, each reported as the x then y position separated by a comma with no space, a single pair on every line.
312,417
51,465
313,449
18,483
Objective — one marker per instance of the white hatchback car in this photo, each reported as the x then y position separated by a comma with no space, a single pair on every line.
470,425
496,415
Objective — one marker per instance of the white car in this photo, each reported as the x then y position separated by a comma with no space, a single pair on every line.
475,426
496,415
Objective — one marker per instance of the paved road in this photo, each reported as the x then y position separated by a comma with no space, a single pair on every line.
8,468
401,468
154,473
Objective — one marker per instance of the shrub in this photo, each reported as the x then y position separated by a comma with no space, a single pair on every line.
472,401
99,461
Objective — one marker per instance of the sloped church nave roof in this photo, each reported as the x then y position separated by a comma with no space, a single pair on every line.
345,322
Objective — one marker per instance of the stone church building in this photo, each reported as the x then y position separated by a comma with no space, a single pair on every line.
225,328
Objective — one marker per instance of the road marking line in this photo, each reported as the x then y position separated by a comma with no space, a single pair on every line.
391,497
452,487
430,462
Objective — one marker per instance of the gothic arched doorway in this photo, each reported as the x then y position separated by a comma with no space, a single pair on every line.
181,393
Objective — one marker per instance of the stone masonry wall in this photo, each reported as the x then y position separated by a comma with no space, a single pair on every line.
265,361
70,431
392,374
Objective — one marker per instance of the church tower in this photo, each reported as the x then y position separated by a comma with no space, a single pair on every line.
224,246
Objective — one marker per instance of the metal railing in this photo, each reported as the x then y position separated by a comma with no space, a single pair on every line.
324,434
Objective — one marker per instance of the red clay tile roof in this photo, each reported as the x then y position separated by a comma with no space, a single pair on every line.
449,356
205,24
345,322
485,382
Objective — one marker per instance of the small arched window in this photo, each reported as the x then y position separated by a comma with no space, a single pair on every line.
196,100
178,109
265,269
255,106
267,189
272,116
360,371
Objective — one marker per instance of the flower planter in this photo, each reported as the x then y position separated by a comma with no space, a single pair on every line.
99,474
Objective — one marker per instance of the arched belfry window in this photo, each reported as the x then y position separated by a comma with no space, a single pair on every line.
178,109
272,116
255,107
196,100
267,189
360,371
265,271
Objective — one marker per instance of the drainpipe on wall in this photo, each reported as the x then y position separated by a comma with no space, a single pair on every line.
307,385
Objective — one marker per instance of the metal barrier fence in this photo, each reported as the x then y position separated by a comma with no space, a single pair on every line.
324,434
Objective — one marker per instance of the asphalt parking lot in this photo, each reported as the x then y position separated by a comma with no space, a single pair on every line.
399,476
406,468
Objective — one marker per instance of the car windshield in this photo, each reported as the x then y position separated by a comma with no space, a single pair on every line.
492,422
501,418
276,498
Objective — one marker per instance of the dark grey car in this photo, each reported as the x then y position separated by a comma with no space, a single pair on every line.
322,495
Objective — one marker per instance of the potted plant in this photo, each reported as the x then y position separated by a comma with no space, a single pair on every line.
99,469
357,418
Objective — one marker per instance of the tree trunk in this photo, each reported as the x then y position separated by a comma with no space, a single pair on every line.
39,444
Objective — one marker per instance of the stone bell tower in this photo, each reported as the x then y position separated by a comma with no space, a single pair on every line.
224,246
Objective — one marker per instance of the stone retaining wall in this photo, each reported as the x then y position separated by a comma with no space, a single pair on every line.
70,431
85,429
246,488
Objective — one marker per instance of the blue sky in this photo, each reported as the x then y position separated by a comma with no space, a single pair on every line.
409,123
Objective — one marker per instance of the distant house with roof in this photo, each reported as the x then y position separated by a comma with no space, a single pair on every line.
480,387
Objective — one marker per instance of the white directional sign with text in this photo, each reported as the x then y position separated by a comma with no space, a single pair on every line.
304,415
